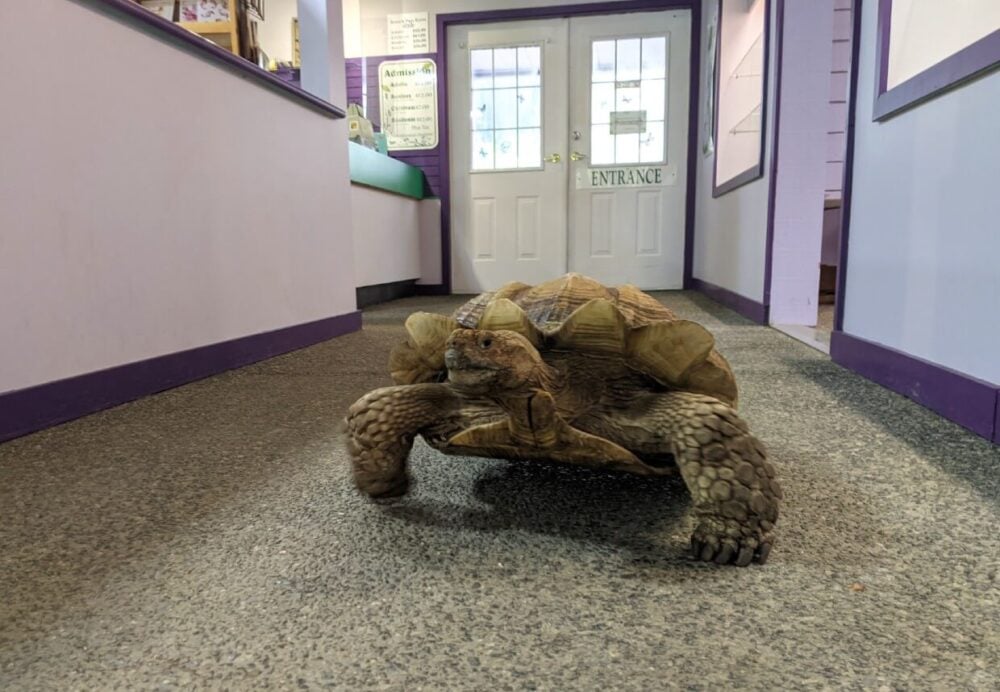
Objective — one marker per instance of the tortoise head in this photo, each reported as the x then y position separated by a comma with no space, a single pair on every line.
498,362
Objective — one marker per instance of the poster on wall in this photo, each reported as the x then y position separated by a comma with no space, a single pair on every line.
408,33
408,103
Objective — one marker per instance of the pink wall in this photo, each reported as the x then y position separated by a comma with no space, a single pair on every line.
153,202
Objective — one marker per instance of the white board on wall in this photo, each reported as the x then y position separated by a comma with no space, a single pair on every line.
408,33
922,33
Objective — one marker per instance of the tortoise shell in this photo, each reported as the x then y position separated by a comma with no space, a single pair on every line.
575,312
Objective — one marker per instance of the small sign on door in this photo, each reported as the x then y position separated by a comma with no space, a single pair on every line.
626,176
628,122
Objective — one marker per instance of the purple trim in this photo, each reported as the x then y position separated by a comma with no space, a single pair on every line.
968,63
751,309
444,167
772,191
27,410
847,187
693,133
245,68
962,399
996,422
597,8
757,171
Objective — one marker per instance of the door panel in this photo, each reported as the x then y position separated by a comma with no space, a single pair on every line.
629,82
507,114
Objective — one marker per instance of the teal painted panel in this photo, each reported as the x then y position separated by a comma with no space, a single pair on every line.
368,167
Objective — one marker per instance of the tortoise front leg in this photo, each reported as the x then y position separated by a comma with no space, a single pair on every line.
382,425
732,484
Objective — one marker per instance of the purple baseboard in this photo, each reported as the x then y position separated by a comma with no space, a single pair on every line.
28,410
961,399
751,309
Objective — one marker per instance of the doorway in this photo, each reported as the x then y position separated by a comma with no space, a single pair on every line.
569,149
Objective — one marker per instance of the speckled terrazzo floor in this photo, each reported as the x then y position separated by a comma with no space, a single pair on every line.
209,538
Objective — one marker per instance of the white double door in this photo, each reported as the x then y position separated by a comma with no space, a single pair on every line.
568,141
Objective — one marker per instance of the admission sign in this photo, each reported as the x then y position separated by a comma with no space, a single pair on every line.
408,103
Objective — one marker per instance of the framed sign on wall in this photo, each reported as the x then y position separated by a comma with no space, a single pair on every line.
741,92
408,103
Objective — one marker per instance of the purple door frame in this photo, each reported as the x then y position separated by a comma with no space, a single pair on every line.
626,6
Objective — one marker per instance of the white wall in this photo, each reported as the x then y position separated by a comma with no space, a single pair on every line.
386,236
275,33
152,202
801,170
922,273
922,33
731,231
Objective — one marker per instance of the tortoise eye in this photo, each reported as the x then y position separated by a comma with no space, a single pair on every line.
486,343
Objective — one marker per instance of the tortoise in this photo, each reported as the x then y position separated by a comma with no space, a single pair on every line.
575,372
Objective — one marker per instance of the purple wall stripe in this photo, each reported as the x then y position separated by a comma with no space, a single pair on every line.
27,410
751,309
968,63
962,399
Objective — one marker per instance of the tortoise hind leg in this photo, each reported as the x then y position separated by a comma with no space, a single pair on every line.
724,466
382,425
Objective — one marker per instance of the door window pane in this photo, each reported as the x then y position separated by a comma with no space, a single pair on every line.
654,57
529,148
529,66
506,149
602,102
651,143
628,60
482,150
505,108
602,145
482,69
506,115
504,67
627,148
628,100
529,107
603,61
482,109
653,95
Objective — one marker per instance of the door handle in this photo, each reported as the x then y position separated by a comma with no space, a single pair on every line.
554,158
577,156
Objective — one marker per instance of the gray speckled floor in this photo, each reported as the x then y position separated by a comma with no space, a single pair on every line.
209,538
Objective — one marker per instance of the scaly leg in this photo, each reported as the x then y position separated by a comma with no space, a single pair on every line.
382,425
732,484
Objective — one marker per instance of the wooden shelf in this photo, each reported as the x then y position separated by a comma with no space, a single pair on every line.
210,27
225,33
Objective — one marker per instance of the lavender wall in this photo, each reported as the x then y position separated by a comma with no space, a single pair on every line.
731,230
800,176
360,70
922,272
146,220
